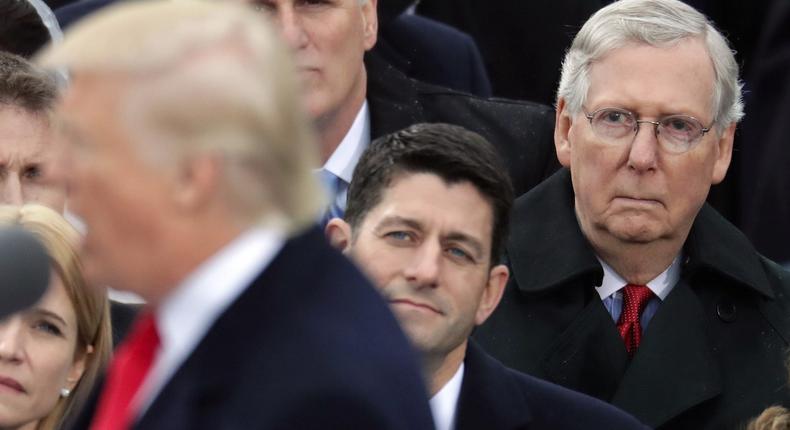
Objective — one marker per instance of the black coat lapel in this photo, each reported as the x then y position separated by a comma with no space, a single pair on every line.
589,356
673,369
490,397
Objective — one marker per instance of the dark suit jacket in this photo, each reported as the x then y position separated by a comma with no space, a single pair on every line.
299,349
74,11
522,132
764,172
713,355
433,52
497,398
522,42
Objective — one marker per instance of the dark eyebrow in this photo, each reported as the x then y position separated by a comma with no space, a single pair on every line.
48,313
399,220
454,236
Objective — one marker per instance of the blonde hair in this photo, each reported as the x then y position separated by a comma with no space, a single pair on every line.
207,78
91,306
773,418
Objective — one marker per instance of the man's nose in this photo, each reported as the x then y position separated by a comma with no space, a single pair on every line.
424,267
643,154
11,189
291,27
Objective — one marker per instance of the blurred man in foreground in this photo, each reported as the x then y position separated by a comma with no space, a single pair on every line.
427,216
190,163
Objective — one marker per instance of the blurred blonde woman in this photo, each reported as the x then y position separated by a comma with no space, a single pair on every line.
51,354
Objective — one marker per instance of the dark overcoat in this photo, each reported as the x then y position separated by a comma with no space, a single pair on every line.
298,349
713,355
522,132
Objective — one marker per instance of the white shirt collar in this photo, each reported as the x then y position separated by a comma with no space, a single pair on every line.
445,402
660,286
343,161
187,314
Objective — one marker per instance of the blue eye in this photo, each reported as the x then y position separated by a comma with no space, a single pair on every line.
459,253
398,235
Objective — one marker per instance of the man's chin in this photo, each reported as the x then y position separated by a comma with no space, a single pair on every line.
636,231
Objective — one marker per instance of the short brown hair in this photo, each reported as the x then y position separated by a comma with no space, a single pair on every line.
451,152
25,86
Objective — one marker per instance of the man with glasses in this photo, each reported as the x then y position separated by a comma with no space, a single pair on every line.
625,284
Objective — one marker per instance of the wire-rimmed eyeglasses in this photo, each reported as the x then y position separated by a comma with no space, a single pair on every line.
675,133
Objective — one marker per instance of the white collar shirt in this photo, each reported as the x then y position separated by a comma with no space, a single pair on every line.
186,315
445,402
661,285
343,161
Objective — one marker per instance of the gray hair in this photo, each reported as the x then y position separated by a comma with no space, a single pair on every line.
658,23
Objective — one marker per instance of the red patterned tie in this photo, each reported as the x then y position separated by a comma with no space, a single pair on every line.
126,373
635,298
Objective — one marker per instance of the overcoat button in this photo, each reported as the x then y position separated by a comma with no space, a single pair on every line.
726,311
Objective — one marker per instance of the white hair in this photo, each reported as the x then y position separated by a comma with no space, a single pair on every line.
658,23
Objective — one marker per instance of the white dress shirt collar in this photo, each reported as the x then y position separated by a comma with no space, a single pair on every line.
343,161
445,402
186,315
660,286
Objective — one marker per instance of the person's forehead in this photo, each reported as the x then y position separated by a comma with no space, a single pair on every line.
430,199
23,132
679,78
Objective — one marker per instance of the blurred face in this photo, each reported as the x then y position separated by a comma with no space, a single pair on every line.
26,156
639,192
121,198
37,358
328,39
426,246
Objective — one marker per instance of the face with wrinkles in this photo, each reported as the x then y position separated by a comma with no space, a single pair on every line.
328,39
26,158
638,192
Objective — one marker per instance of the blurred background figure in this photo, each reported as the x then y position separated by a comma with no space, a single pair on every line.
51,354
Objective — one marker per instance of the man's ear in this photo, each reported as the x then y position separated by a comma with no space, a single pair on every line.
198,180
492,294
370,23
562,127
723,154
339,234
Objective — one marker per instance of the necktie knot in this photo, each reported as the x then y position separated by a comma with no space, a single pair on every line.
126,374
336,189
635,300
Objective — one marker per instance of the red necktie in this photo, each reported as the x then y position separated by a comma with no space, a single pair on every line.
635,298
126,373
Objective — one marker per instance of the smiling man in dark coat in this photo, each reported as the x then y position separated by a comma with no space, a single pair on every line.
427,216
626,285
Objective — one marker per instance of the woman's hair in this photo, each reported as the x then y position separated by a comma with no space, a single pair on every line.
91,306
